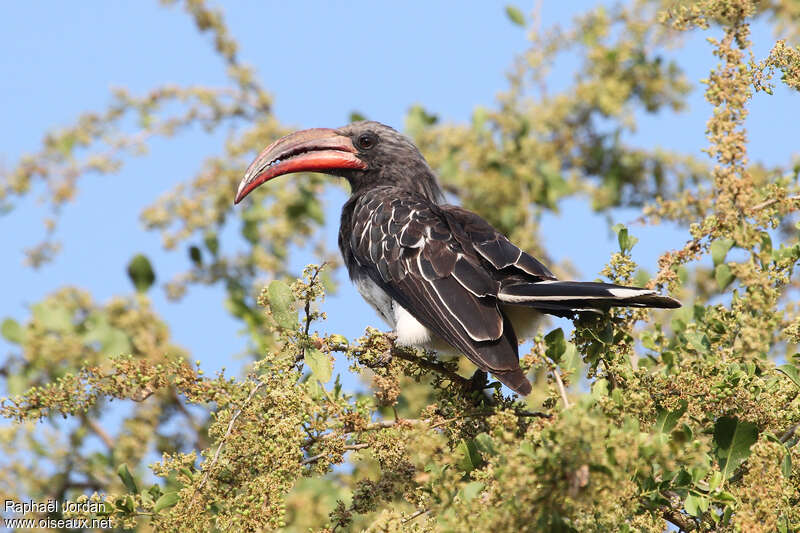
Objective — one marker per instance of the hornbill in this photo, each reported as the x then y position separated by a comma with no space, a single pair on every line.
438,274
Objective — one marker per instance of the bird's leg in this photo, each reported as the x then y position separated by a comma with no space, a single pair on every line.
478,380
478,383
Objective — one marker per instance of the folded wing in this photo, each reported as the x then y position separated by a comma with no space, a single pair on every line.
409,249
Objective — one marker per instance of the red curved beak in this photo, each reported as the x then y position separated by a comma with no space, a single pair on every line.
314,150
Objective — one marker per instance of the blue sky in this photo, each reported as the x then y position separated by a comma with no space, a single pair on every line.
320,60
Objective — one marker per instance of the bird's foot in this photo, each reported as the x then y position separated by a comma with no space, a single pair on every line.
478,380
478,388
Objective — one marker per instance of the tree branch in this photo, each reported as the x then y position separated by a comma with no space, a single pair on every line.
788,433
414,515
99,431
384,424
302,355
677,518
439,368
767,203
349,447
561,388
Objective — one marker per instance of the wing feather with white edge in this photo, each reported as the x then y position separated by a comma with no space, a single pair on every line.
408,249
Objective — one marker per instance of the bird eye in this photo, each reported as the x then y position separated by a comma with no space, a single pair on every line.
367,140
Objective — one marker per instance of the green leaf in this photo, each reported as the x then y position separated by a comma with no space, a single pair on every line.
104,509
607,334
320,364
683,274
572,359
715,481
691,504
12,331
732,441
280,302
641,278
485,444
702,502
626,241
155,492
723,275
127,478
250,231
556,346
479,117
667,420
125,504
113,341
471,490
526,448
599,389
766,243
648,341
725,496
17,384
791,372
683,479
167,500
470,459
117,342
699,341
355,116
515,15
719,249
212,242
196,255
141,273
418,120
53,317
786,465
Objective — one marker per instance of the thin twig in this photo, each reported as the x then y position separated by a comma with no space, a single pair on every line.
196,427
227,433
788,434
767,203
302,354
414,515
439,368
100,432
349,447
489,412
561,389
683,522
403,353
611,377
385,424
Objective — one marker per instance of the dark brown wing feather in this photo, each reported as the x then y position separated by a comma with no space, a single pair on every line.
475,233
409,248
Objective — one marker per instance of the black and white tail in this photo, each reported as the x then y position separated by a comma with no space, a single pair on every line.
566,297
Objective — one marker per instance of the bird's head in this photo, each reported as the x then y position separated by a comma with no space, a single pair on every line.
366,153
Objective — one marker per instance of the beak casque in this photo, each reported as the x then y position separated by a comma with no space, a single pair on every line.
313,150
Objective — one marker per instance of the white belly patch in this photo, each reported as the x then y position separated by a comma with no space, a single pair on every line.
409,331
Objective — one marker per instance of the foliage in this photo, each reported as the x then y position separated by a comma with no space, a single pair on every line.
687,417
